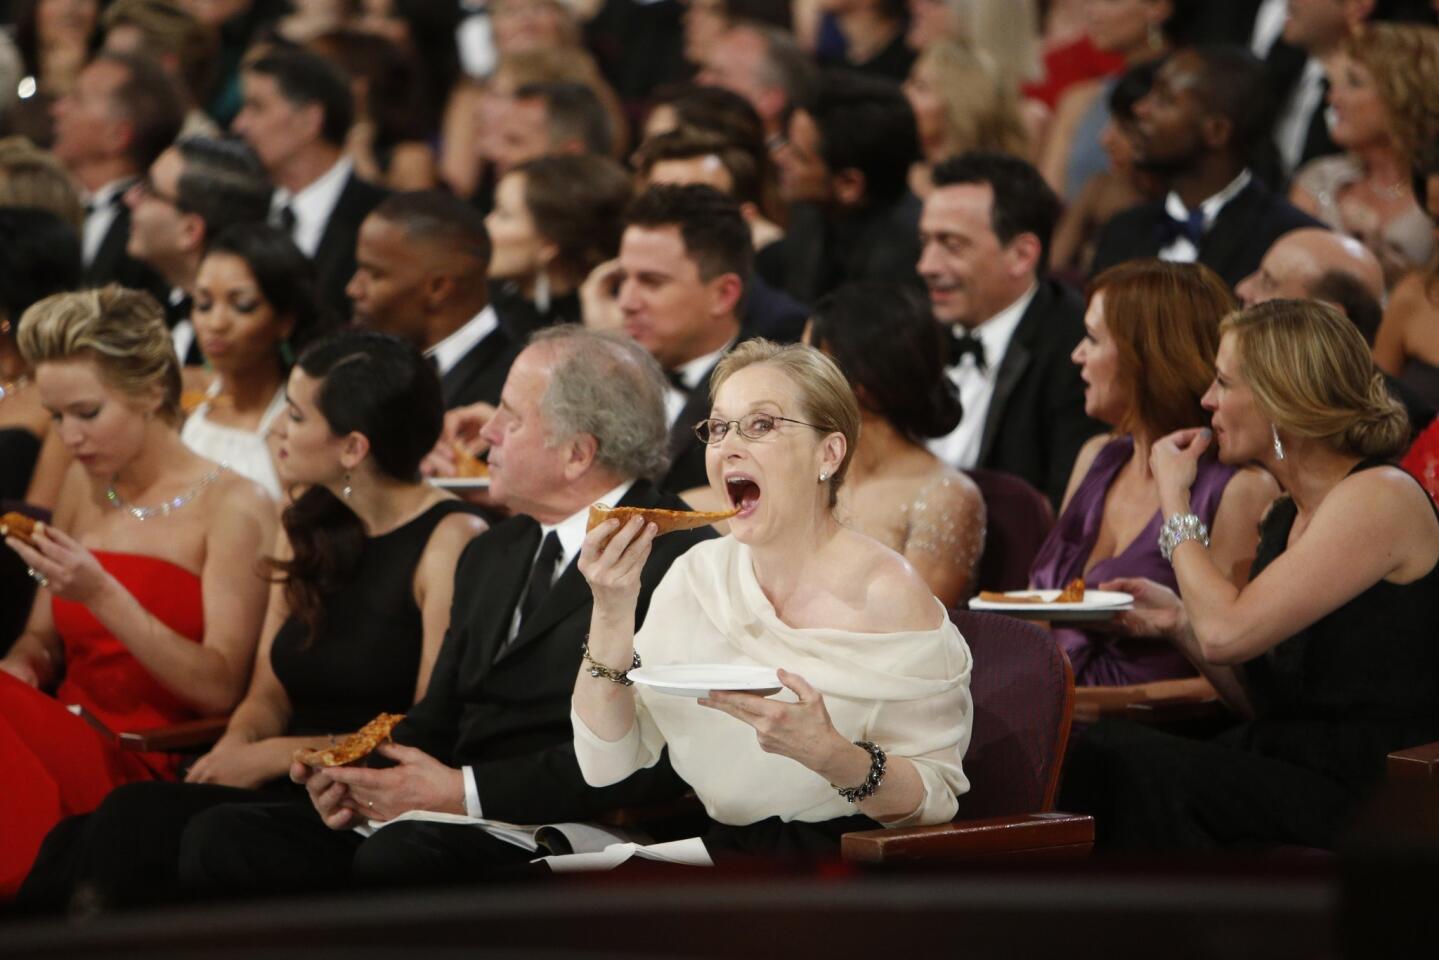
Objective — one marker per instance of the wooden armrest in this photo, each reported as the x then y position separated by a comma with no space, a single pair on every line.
1159,702
1415,763
179,736
1049,835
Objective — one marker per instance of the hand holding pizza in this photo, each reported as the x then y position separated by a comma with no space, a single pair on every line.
418,782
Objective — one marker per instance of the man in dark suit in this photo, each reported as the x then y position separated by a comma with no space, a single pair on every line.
683,257
422,266
123,111
296,114
581,421
985,235
192,192
1196,129
845,170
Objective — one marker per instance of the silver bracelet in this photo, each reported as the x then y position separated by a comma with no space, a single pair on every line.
602,672
876,774
1179,528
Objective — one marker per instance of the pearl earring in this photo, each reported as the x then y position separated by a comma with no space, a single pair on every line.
1278,447
347,490
823,477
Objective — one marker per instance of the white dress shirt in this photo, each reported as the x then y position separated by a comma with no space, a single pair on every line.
1268,25
312,206
102,207
571,532
1181,250
960,447
453,348
1291,128
182,334
690,374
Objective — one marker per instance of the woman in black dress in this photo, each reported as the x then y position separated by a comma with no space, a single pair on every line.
363,579
1329,650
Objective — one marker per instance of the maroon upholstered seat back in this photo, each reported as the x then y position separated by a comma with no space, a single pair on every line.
1019,518
1023,692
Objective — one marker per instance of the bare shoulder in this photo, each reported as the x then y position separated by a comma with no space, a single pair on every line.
243,495
452,533
1250,491
1386,499
895,598
1409,297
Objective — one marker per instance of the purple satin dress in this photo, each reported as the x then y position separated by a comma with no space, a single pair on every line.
1100,659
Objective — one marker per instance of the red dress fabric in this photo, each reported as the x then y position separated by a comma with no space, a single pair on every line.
1071,63
56,764
1422,461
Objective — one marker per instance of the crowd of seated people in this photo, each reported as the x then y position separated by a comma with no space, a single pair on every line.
272,280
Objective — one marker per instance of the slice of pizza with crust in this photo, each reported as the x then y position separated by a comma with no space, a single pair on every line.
20,527
668,521
1073,592
353,747
467,465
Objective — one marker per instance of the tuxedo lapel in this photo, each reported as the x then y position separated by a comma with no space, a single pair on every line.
696,408
460,384
1231,233
569,592
1011,369
105,267
508,574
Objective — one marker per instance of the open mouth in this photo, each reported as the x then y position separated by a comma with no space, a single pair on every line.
743,493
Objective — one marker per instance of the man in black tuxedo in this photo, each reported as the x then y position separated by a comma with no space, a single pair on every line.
1196,129
123,111
192,192
683,257
422,271
985,234
845,171
581,421
296,114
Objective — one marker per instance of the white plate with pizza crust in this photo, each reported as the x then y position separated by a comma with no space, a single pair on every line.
1096,605
461,483
698,679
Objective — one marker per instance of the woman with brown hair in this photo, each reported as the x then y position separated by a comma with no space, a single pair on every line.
1151,333
1329,649
1384,92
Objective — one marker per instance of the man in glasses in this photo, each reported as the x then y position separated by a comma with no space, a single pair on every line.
123,111
683,259
191,193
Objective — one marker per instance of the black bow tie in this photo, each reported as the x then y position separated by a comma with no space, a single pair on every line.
1172,228
962,342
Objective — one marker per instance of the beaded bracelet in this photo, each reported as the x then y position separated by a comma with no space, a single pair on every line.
876,774
1179,528
602,672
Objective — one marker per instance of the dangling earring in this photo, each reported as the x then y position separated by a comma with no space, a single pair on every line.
542,291
1278,447
287,354
347,489
1156,37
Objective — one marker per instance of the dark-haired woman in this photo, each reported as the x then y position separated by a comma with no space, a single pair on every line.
254,309
555,219
364,576
1328,650
1147,356
886,342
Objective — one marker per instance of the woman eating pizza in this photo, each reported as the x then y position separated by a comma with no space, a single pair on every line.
873,721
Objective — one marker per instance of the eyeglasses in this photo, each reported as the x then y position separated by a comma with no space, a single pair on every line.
145,186
752,426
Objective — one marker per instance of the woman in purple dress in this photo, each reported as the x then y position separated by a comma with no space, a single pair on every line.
1151,334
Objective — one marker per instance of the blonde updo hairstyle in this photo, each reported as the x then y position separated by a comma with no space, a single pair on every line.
1313,376
826,400
122,331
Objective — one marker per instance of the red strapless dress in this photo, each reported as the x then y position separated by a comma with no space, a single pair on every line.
1422,460
54,763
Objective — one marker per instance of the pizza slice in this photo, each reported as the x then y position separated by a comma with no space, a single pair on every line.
668,521
20,527
467,465
1073,592
353,747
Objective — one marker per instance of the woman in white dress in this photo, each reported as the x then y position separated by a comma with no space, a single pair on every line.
875,717
255,309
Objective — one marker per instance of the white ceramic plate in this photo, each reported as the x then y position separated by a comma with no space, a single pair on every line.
461,483
698,679
1097,605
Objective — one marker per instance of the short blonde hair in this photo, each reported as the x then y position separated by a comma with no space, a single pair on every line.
31,177
1403,59
981,102
1313,375
122,330
826,399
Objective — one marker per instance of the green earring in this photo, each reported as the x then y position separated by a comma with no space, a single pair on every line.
287,354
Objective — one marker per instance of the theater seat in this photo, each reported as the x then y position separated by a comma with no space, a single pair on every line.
1019,518
1023,694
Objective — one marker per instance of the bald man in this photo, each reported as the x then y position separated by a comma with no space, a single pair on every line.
1298,260
1314,264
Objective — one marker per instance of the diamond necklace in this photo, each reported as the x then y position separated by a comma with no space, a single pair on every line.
166,507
